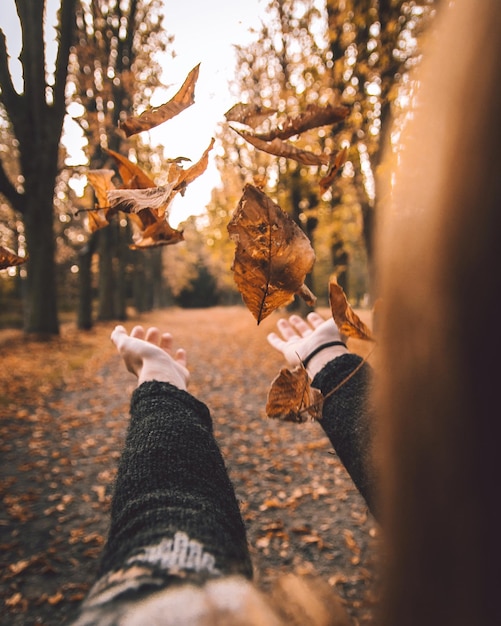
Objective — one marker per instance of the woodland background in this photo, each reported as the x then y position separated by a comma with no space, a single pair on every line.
63,411
355,53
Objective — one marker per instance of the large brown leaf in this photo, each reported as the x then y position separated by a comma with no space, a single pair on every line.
272,255
346,319
280,148
154,116
291,397
10,259
101,182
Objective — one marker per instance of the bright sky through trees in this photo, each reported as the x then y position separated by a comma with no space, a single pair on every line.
204,33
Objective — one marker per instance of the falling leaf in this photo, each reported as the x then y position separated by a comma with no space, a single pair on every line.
10,259
336,164
100,180
250,114
272,255
281,148
313,117
160,233
154,116
135,200
346,319
131,174
291,398
190,174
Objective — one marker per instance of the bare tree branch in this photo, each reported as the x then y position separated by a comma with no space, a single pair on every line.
8,96
66,34
9,191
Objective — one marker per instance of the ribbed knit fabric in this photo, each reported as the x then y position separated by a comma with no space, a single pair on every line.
348,420
174,515
172,478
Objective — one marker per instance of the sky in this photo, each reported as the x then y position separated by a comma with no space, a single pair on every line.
204,32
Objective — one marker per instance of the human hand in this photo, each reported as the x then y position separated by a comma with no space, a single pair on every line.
301,340
145,354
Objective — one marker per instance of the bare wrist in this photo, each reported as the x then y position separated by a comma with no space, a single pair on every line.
318,361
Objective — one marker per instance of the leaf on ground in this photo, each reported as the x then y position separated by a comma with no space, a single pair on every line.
250,114
154,116
291,398
346,319
101,182
337,162
10,259
280,148
272,255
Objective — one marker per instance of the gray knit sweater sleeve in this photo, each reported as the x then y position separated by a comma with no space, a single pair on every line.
348,420
173,488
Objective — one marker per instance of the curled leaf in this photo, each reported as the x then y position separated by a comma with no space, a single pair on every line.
250,114
131,174
10,259
291,398
100,180
280,148
135,200
346,319
313,117
337,162
154,116
272,255
191,173
159,233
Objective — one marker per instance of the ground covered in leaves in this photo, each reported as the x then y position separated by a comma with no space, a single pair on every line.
63,416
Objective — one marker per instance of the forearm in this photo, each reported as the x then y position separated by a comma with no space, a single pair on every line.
348,421
173,498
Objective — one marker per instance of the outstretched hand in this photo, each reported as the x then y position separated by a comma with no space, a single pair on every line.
146,354
300,339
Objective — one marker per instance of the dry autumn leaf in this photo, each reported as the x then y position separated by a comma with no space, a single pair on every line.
10,259
337,162
272,255
291,398
136,200
131,174
154,116
250,114
346,319
313,117
160,233
101,182
280,148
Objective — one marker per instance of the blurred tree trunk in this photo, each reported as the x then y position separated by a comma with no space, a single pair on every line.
36,116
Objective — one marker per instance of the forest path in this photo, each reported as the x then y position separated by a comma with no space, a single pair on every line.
63,416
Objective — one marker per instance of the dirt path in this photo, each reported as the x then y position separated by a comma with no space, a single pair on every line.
61,438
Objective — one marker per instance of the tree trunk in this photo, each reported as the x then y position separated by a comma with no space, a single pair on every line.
40,307
85,284
106,310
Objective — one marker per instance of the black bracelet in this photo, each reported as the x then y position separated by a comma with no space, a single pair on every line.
320,348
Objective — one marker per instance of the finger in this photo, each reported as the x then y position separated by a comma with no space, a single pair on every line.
286,329
153,335
166,341
300,325
117,334
315,319
275,341
137,332
180,357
